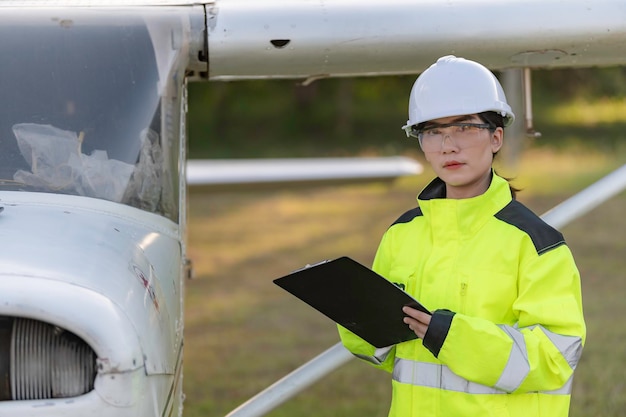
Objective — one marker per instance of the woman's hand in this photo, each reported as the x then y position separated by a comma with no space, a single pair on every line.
418,321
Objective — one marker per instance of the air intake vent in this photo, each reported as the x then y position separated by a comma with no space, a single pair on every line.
45,362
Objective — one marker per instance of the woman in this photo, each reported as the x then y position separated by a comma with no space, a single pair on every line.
507,327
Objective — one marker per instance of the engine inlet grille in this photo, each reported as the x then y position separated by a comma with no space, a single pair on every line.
48,362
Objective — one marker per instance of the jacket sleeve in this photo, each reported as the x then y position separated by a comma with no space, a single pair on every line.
379,357
540,351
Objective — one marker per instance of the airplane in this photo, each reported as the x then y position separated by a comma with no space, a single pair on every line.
93,168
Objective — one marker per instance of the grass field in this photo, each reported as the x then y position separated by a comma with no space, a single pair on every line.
243,333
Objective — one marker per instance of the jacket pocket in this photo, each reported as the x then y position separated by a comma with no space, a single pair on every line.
404,278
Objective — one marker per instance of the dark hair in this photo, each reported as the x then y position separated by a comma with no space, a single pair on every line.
492,118
496,120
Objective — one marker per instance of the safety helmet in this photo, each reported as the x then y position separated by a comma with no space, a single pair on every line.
453,87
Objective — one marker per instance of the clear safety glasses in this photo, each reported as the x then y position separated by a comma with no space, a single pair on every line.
463,135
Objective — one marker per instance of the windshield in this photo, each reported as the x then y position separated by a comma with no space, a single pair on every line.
82,110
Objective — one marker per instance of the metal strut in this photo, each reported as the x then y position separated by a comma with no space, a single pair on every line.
528,105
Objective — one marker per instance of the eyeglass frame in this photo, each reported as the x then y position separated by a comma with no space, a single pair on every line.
413,131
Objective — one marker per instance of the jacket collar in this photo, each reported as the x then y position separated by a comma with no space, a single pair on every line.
463,215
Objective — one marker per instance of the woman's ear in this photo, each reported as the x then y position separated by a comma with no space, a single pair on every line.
497,138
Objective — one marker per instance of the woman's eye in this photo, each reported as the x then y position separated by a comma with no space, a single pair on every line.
469,128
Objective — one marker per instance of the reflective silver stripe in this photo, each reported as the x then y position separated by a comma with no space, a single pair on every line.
434,375
571,347
380,354
517,367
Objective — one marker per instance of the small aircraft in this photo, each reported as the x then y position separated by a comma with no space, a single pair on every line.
93,167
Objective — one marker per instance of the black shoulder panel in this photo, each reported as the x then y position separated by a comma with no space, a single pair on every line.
544,236
409,215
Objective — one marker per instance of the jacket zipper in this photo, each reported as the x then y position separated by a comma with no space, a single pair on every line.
463,294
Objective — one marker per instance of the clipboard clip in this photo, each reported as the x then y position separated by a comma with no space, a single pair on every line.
307,266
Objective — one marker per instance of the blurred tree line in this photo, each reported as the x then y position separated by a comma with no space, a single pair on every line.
360,116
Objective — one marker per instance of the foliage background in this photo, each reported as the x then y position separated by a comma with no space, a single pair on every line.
363,116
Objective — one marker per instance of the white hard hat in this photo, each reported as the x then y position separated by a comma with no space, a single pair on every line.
453,87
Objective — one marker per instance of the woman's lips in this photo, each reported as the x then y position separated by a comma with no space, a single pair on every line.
452,165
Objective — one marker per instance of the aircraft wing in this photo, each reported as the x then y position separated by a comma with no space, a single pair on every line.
213,172
249,39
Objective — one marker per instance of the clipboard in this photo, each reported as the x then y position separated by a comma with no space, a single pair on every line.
355,297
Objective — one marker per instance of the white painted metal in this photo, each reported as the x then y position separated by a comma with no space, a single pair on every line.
250,39
108,273
98,3
254,171
316,39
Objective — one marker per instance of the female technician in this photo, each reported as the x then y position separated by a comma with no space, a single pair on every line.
507,328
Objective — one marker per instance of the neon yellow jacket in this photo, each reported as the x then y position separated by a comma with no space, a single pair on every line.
507,329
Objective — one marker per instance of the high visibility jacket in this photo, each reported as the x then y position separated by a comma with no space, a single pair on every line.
507,328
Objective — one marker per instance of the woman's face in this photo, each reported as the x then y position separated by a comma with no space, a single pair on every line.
463,161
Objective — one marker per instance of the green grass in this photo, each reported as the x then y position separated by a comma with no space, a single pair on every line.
243,333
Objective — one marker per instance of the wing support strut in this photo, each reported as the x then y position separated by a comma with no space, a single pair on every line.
528,105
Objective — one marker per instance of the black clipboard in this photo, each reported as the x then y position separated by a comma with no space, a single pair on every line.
355,297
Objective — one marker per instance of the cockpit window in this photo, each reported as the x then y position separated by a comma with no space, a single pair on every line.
82,111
